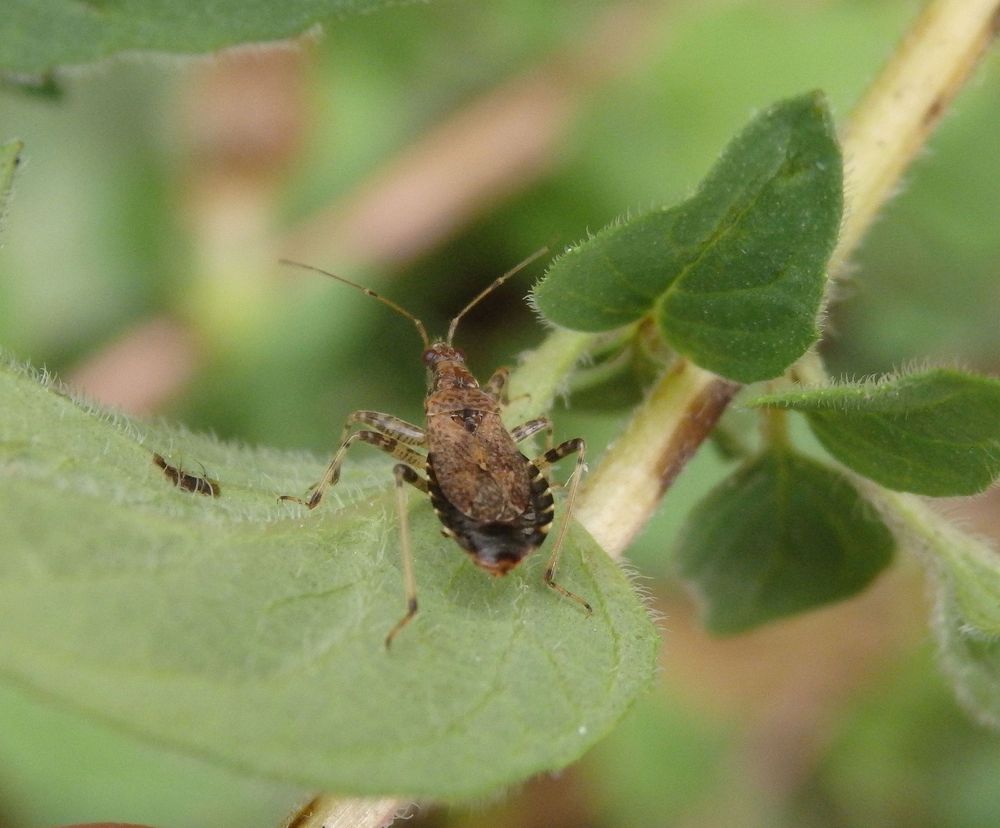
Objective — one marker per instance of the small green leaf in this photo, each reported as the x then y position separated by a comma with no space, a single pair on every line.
37,36
251,632
781,535
734,276
935,433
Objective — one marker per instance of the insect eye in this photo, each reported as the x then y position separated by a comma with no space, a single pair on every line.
430,356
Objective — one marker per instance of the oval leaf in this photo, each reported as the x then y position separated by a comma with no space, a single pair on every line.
38,36
735,275
935,433
781,535
236,628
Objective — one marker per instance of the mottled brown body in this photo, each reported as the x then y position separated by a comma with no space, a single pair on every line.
495,502
490,498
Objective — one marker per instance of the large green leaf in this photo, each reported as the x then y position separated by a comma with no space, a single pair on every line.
251,632
781,535
734,276
933,433
37,36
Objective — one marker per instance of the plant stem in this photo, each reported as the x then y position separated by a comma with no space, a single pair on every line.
774,428
888,127
325,811
905,103
666,430
542,373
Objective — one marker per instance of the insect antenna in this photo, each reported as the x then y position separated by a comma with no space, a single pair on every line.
493,286
368,292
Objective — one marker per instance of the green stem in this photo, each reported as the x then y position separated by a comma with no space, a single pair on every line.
774,424
664,433
905,103
542,374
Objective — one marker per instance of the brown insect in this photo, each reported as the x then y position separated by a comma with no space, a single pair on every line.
495,502
188,482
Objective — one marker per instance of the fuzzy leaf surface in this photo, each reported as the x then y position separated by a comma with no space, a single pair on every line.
933,433
966,578
782,535
38,36
734,276
972,660
250,632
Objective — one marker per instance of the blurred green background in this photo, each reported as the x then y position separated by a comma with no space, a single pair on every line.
423,151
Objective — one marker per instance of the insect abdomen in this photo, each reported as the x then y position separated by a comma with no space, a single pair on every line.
497,546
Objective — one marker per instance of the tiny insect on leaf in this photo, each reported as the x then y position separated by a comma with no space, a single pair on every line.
490,498
186,481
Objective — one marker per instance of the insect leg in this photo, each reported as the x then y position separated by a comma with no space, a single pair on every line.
188,482
172,472
404,474
200,485
391,445
204,485
526,430
551,456
404,432
496,386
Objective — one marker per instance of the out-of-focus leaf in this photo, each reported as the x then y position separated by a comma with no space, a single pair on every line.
37,36
783,534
